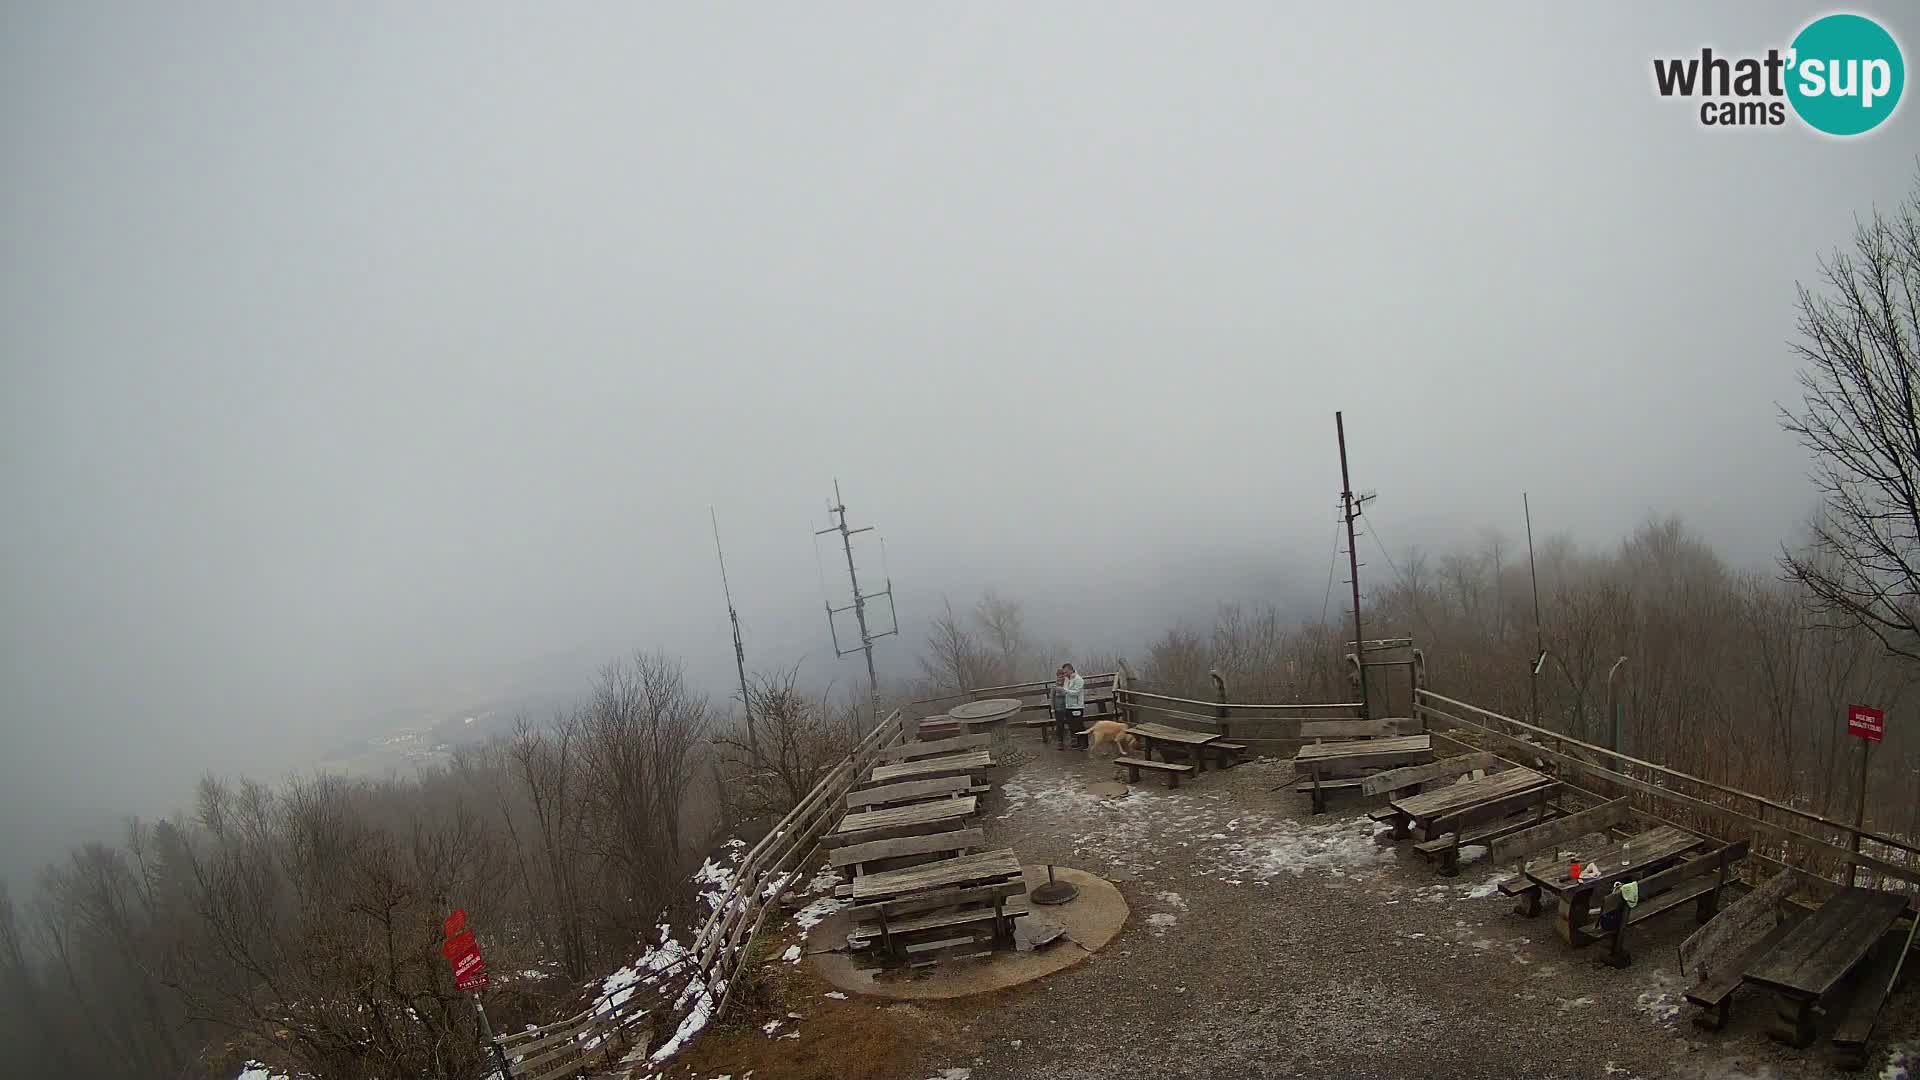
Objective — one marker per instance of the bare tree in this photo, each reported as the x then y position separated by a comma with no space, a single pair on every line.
1860,340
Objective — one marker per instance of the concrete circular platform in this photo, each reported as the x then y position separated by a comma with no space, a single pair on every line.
1090,920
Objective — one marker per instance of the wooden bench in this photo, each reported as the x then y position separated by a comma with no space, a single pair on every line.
1699,880
1736,939
909,751
1174,770
1485,823
1229,753
879,856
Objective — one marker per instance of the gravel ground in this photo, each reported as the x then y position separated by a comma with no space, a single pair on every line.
1267,942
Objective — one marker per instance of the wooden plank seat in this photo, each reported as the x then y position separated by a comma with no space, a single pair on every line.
1341,783
875,856
910,791
1714,991
867,933
1325,764
1699,879
1719,953
910,751
1484,823
1173,770
1227,754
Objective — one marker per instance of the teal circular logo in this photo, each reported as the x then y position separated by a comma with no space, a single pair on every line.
1847,74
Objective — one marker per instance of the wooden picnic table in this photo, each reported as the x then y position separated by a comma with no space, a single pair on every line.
963,870
1819,952
1420,810
903,909
985,712
1165,737
1615,860
914,819
1365,753
965,763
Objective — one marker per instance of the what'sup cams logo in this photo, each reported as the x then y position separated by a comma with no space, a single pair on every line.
1842,75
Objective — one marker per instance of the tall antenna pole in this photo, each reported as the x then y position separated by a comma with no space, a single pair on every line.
1350,509
859,605
739,650
1539,643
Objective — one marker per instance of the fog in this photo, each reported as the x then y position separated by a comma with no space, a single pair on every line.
361,362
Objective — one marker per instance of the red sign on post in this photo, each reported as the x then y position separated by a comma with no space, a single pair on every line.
1865,723
463,952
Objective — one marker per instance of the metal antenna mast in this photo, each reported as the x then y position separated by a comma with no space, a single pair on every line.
1350,509
739,650
859,605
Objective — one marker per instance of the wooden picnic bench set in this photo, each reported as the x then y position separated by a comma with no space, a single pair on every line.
918,877
1192,748
1844,959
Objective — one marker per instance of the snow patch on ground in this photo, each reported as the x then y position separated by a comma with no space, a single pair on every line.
1161,922
703,1003
1903,1062
253,1070
792,955
770,1027
836,995
1662,1000
1173,900
1130,831
1570,1004
1484,889
810,916
1338,848
952,1074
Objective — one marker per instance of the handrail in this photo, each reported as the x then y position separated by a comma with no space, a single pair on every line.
1241,704
1905,873
1677,774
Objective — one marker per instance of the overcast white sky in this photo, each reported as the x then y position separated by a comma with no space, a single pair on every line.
358,357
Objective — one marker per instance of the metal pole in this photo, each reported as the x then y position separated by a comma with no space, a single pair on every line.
1613,708
1539,643
739,649
486,1030
1353,561
1860,815
859,599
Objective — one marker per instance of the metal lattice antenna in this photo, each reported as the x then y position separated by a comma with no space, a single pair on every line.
739,648
859,604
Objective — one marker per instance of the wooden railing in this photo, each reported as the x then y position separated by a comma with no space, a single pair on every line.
568,1047
1807,841
1267,728
773,863
590,1038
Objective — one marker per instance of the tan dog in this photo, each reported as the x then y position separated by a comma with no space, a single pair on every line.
1112,731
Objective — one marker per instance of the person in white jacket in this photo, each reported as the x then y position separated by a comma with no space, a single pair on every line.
1070,714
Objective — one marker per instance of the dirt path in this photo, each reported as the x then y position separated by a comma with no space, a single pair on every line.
1264,942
